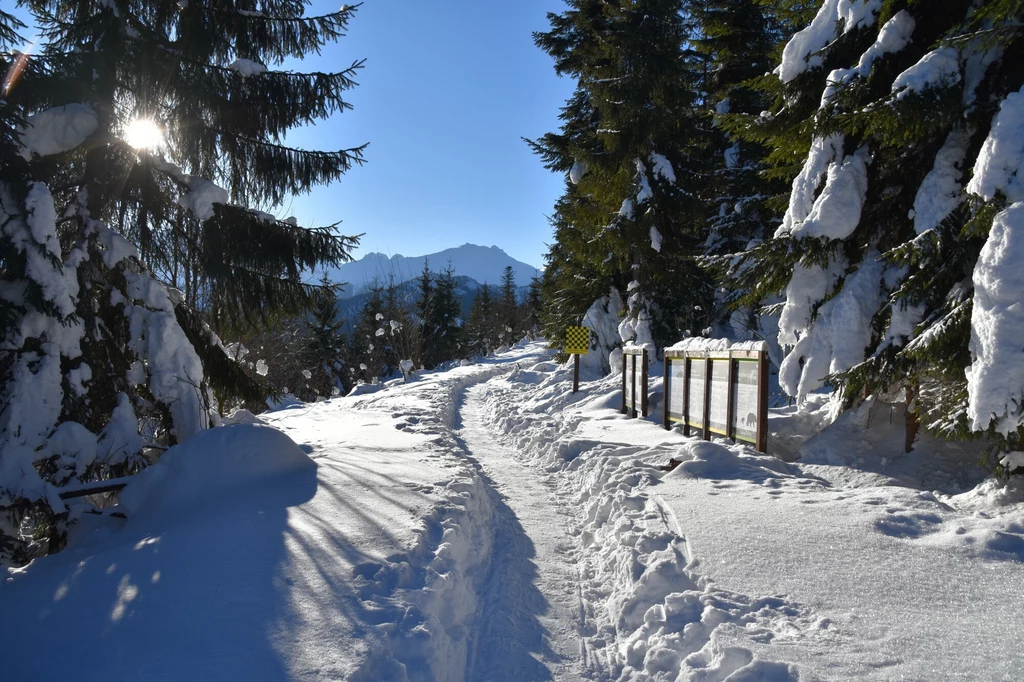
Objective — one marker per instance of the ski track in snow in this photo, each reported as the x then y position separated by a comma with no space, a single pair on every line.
530,606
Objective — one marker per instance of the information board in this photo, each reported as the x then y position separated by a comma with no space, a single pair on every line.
745,401
696,393
719,413
676,388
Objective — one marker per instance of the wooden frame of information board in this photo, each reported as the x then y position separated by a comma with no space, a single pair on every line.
702,387
630,381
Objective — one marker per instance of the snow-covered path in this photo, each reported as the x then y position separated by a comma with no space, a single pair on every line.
484,524
530,608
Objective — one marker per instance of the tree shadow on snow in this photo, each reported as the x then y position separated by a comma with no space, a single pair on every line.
197,598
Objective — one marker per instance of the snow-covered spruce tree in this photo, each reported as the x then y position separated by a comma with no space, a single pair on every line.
893,251
632,146
736,40
98,350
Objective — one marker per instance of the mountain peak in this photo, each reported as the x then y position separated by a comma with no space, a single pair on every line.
485,264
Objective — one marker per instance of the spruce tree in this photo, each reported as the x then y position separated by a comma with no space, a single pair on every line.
367,347
446,321
508,314
534,307
632,146
481,332
97,342
323,346
888,248
736,42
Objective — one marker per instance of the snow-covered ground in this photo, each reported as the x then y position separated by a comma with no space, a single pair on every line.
484,524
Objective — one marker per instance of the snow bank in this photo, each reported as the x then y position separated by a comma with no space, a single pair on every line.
208,466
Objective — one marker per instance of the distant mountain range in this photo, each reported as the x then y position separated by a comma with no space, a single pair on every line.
409,293
481,264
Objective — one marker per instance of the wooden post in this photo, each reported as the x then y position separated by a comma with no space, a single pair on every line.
644,380
707,398
624,366
911,420
686,396
730,407
762,402
664,387
575,372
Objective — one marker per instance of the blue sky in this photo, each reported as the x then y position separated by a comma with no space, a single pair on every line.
448,90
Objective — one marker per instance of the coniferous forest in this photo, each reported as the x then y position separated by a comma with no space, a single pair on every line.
835,177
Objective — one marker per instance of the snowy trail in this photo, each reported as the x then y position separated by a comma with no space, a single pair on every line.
530,613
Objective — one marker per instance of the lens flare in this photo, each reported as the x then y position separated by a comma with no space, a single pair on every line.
14,72
143,133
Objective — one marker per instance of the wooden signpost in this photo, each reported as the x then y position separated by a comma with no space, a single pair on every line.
577,343
634,388
718,392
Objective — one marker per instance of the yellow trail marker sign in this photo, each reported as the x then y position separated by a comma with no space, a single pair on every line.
577,340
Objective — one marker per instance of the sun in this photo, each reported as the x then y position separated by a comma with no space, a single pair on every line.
143,133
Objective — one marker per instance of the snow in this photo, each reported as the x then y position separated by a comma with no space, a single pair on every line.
247,67
57,130
59,285
645,192
836,212
801,52
997,168
201,197
802,197
995,379
484,523
626,210
209,466
602,318
655,239
808,286
938,68
662,168
839,334
893,37
697,344
941,190
578,170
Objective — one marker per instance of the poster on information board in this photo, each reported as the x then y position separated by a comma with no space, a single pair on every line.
696,393
719,413
676,388
745,401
